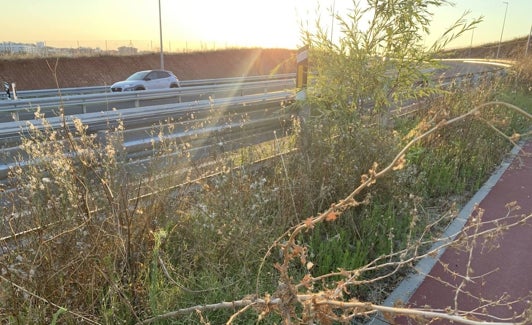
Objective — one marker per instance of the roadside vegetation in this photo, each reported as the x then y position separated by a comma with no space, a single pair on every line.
319,234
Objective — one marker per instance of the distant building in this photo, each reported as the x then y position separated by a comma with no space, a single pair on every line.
127,50
88,50
41,49
18,48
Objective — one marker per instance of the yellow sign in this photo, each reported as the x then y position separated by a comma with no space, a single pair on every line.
302,67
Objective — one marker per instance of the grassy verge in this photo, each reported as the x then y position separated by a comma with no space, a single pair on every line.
113,258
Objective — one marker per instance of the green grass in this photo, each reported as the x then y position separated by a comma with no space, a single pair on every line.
114,259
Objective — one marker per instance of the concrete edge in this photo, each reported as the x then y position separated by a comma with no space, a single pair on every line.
409,285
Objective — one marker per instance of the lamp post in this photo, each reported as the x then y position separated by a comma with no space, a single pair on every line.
528,41
471,44
332,19
161,36
502,30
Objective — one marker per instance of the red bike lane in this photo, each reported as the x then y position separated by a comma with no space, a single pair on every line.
492,274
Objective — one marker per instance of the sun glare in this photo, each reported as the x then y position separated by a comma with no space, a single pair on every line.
234,22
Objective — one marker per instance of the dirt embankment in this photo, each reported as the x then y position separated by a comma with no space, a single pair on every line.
509,50
41,73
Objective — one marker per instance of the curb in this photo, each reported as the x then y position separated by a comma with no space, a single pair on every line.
409,285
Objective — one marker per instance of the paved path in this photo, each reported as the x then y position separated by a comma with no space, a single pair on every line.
500,267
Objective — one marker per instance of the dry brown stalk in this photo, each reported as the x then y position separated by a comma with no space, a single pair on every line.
288,296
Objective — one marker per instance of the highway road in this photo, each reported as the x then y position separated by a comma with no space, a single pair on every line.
228,119
141,107
141,110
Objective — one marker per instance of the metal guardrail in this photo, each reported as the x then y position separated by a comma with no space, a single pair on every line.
225,124
218,116
38,93
24,109
208,127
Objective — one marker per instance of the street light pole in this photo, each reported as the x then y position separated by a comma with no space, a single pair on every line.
528,41
332,19
161,36
502,30
471,44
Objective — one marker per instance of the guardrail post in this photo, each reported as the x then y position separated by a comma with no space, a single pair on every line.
301,93
14,88
7,90
302,68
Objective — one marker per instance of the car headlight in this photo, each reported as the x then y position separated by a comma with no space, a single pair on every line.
128,88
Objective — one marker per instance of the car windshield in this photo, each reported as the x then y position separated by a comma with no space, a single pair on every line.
138,75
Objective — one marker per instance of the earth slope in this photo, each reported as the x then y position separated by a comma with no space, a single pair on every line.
42,73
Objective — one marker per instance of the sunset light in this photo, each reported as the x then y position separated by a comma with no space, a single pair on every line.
213,24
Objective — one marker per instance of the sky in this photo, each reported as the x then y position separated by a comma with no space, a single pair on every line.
215,24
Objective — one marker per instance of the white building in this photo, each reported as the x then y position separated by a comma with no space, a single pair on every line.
18,48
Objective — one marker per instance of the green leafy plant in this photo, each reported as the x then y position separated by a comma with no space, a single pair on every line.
317,233
380,63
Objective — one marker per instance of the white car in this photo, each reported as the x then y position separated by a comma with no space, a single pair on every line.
147,79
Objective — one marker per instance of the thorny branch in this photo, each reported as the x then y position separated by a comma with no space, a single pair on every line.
287,295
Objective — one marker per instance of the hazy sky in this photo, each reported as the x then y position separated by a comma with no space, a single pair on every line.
218,23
